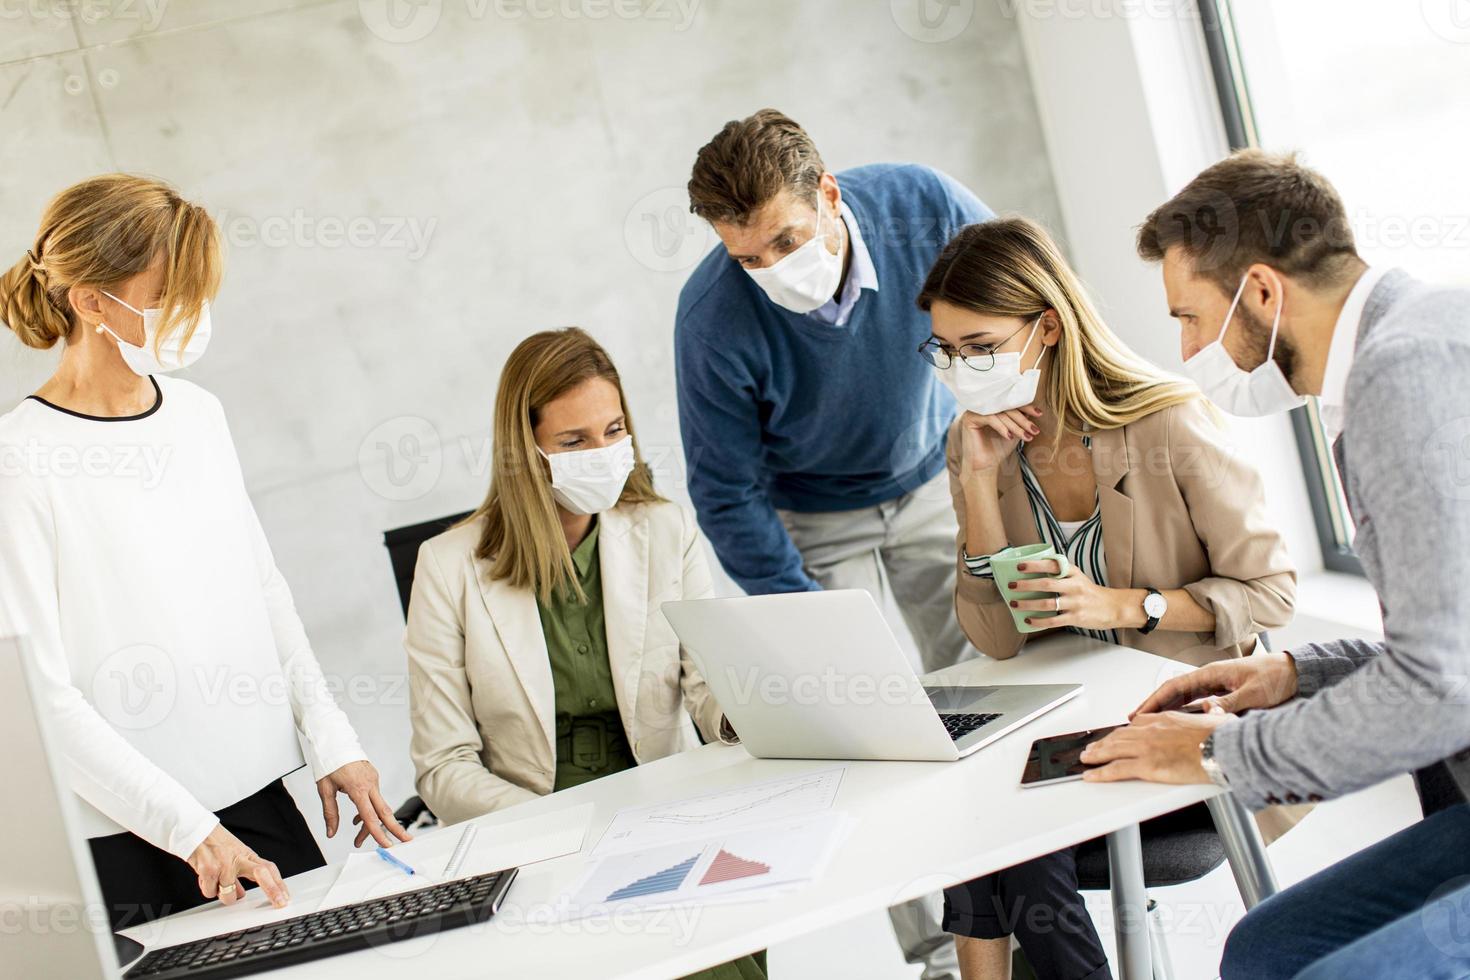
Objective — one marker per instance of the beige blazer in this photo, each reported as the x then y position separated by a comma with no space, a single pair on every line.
1180,510
481,692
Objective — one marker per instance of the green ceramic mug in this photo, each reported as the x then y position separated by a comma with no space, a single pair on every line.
1003,566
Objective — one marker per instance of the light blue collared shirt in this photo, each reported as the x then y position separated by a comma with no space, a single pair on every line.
860,275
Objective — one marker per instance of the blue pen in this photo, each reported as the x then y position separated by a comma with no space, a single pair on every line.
383,853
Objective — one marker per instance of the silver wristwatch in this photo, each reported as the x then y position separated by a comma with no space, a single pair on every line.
1210,764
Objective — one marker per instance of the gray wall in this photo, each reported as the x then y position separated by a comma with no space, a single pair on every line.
405,197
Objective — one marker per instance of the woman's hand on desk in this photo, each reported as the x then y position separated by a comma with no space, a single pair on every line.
223,859
359,780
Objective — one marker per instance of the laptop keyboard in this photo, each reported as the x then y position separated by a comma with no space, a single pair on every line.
960,725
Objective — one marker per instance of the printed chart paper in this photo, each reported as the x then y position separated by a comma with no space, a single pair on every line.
706,816
745,865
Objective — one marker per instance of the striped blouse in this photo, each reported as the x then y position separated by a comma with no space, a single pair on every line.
1082,544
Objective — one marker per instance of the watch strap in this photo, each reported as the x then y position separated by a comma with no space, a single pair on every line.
1151,621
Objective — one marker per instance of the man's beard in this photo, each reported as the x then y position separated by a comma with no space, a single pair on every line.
1259,333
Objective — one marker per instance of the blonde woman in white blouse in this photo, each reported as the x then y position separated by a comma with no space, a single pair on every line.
135,565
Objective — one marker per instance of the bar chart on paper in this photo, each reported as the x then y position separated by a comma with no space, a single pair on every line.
667,880
703,817
739,866
728,867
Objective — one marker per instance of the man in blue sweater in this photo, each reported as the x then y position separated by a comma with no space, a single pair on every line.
813,428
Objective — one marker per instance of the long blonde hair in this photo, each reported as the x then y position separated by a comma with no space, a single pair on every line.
103,232
522,537
1012,267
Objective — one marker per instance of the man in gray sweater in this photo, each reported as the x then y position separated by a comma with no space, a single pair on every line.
1263,243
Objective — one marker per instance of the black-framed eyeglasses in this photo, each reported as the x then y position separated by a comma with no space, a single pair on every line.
976,357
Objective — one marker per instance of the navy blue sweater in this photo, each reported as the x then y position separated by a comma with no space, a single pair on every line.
781,410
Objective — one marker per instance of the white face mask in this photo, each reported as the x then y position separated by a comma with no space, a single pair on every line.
589,481
171,354
1005,386
806,278
1250,394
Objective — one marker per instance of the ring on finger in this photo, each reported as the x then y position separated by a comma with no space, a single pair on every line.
228,888
1057,600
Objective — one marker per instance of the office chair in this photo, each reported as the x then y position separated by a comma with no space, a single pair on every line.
1177,847
403,552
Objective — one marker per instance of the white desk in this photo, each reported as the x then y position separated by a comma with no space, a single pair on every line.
919,826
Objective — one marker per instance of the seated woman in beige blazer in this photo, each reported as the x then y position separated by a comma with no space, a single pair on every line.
538,657
1069,438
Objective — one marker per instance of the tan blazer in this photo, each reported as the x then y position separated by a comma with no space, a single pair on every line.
1180,510
481,693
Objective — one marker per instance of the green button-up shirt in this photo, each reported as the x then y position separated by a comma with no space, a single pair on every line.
590,741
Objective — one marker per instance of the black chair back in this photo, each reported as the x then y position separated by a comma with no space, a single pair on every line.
403,549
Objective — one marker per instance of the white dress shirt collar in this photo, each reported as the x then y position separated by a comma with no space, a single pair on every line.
1333,400
860,275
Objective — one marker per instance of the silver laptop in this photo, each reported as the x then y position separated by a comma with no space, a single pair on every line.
819,675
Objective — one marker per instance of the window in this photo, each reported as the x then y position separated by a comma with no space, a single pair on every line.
1374,95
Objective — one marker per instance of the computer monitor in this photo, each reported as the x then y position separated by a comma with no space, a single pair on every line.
51,910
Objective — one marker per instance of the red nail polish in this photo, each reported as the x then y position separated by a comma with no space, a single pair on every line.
1013,603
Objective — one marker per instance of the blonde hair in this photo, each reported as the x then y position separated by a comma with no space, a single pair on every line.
522,537
1012,267
101,233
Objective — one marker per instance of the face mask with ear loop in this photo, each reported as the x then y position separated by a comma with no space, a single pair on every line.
1004,387
589,481
805,279
1249,394
172,354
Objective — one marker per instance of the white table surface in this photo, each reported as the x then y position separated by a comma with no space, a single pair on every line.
918,827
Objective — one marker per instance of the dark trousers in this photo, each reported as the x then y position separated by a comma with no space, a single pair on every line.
1037,902
141,882
1394,911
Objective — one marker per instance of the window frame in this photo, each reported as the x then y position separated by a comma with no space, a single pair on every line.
1323,487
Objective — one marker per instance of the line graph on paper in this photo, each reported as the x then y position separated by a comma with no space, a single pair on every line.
715,813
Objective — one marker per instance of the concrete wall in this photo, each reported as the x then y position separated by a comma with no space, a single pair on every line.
409,189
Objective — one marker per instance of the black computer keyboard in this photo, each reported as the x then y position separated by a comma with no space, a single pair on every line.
960,725
330,932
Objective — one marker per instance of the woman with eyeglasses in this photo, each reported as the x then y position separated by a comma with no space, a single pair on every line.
1068,438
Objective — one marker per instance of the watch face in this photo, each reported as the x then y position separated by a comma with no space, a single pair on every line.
1155,605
